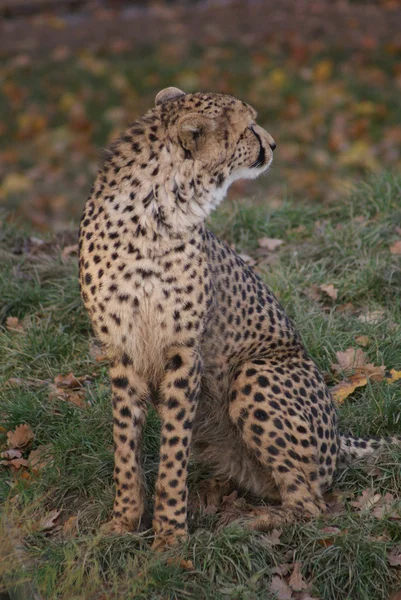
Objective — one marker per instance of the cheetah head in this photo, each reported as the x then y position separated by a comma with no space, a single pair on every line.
212,140
216,133
173,166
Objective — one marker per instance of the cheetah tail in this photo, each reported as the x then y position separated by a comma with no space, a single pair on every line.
357,448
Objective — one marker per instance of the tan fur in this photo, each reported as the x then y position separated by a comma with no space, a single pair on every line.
188,324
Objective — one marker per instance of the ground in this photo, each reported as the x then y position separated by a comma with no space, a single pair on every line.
335,115
346,246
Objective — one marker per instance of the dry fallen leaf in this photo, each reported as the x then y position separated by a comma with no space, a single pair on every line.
39,458
48,521
349,361
362,340
280,588
384,507
70,526
11,454
75,397
15,464
296,581
97,352
67,251
270,244
342,390
233,508
354,360
248,259
372,317
393,376
20,437
14,324
188,565
394,557
313,293
68,381
345,388
273,538
334,501
367,500
329,534
396,247
330,290
282,569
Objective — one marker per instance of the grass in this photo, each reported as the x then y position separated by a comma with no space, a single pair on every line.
346,245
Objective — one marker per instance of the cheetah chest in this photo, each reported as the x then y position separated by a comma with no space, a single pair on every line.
150,305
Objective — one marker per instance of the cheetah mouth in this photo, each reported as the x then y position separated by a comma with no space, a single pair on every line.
261,159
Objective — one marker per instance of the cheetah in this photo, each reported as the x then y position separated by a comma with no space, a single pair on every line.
191,328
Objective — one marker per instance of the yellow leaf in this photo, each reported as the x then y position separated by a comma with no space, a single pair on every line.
342,390
323,70
14,183
362,340
393,376
278,78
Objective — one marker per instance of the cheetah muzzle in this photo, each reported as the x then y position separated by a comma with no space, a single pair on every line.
180,313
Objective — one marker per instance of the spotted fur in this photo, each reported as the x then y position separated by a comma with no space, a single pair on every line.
192,328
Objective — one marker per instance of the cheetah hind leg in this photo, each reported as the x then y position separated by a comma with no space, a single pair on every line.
290,461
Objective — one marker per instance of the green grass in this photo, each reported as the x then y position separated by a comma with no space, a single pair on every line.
334,246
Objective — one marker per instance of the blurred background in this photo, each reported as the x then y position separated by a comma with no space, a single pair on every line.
324,75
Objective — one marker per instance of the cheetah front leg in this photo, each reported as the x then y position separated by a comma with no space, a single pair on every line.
130,397
178,399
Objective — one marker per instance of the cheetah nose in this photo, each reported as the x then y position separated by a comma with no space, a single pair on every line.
273,145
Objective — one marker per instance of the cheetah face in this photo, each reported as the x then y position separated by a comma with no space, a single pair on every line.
218,134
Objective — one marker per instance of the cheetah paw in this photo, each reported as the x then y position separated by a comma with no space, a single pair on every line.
115,527
164,542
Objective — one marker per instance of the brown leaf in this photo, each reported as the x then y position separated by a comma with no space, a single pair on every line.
362,340
70,526
372,317
187,565
329,534
330,290
67,251
11,454
20,437
273,538
270,244
349,360
313,293
296,581
396,247
14,324
367,500
15,464
48,521
334,502
280,588
233,508
394,557
348,307
248,259
282,569
39,458
68,381
97,352
75,397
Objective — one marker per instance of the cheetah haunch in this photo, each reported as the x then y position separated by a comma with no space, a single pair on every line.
188,324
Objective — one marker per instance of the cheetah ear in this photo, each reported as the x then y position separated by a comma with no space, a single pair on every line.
170,93
193,130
